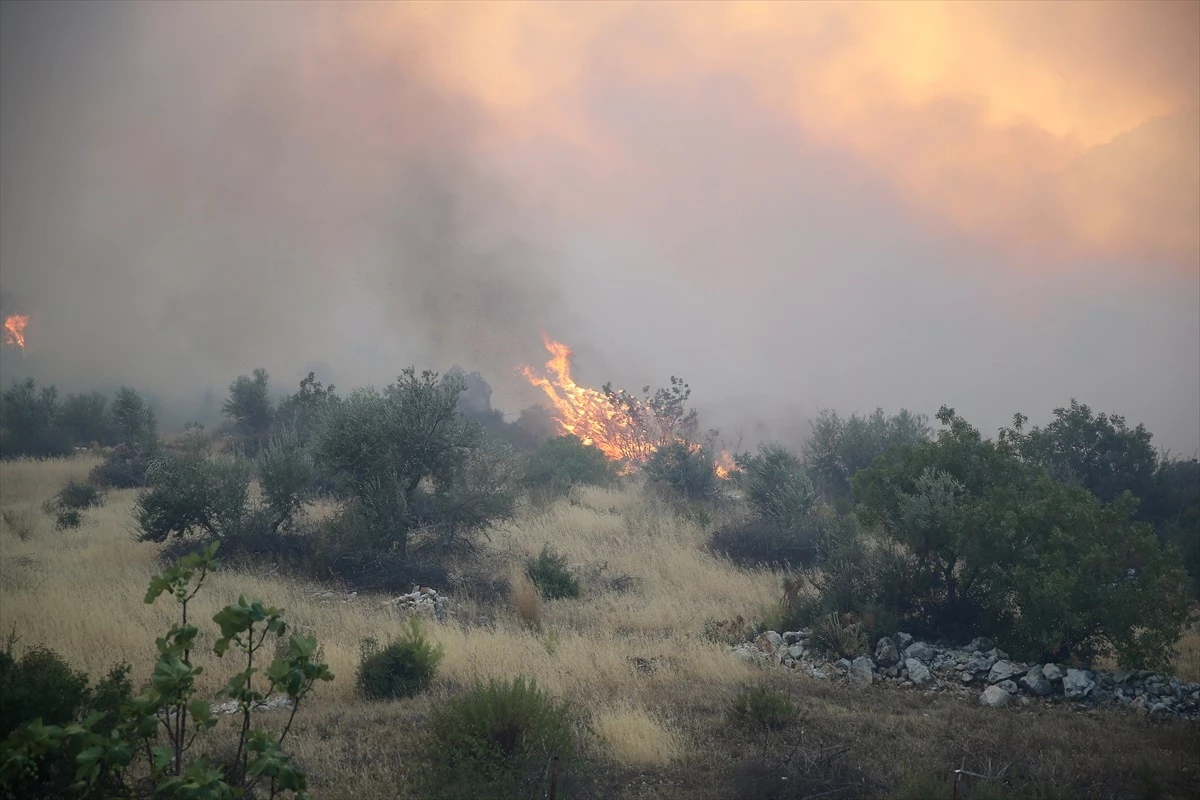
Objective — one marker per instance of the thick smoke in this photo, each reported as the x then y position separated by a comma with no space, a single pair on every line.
190,193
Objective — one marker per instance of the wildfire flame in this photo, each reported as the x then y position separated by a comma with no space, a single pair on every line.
14,330
592,417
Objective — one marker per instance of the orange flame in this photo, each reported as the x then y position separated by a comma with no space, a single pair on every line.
593,418
14,330
582,412
724,465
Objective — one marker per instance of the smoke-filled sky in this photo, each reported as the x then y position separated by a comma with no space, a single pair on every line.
793,206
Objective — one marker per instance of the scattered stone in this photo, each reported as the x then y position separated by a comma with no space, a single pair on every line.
1077,684
980,644
1003,670
938,668
979,664
769,642
994,697
862,672
279,702
1035,683
918,673
920,651
886,654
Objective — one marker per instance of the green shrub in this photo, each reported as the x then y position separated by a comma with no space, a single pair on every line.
843,637
39,684
78,495
776,485
564,462
760,708
685,468
550,575
68,503
144,748
496,741
403,668
123,468
977,541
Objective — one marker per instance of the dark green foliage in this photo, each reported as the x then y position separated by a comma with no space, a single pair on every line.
133,422
249,406
1098,452
68,503
300,413
685,468
755,543
496,741
564,462
85,419
285,474
124,468
381,448
28,422
760,708
550,575
58,697
77,494
130,746
192,492
39,684
984,541
776,485
403,668
838,448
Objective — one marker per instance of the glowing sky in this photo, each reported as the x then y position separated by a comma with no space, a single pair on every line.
793,205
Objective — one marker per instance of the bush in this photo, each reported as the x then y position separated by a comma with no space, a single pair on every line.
776,486
550,575
495,741
123,468
981,542
403,668
116,753
842,636
763,543
564,462
39,684
760,708
684,467
70,500
28,421
192,492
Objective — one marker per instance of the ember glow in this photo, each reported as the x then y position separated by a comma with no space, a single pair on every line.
14,330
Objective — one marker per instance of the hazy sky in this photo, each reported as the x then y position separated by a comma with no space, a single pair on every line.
793,206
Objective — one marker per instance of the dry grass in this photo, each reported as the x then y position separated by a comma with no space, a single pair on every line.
633,658
527,603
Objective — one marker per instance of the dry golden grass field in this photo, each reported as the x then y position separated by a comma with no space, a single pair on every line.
657,732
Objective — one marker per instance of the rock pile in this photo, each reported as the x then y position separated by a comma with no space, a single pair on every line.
279,702
977,667
421,599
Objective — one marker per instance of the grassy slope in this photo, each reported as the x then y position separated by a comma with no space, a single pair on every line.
656,734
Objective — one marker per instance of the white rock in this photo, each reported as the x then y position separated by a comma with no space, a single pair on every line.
994,697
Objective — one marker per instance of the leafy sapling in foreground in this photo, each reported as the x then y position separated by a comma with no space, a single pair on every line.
161,724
